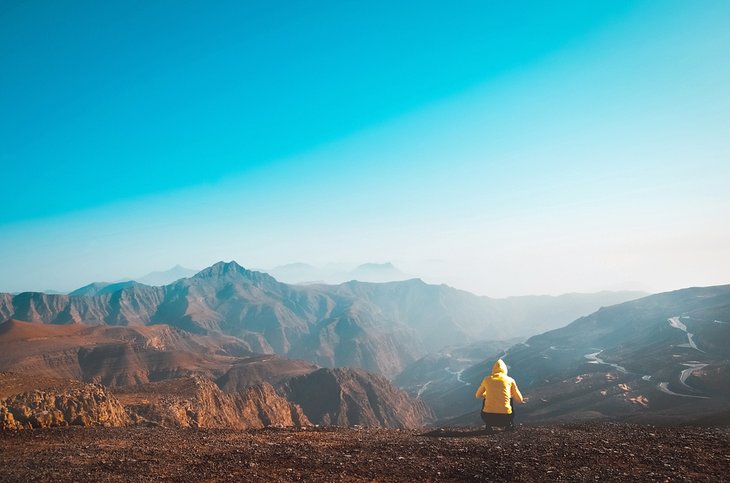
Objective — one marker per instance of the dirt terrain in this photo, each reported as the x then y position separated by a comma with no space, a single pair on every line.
596,452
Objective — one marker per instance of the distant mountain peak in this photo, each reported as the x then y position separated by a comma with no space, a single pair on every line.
233,269
166,277
221,268
377,272
103,288
377,266
297,265
410,282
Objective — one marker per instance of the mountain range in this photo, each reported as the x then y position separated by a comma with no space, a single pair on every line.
167,376
198,351
228,335
378,327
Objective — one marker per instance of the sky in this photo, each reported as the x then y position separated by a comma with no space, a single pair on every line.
505,148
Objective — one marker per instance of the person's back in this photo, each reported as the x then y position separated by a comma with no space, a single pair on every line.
498,391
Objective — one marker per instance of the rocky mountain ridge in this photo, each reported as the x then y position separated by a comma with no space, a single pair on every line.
114,355
378,327
346,397
196,402
171,377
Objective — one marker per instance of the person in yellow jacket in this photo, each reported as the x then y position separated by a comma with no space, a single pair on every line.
498,391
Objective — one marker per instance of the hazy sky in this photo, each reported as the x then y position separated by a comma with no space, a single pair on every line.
501,147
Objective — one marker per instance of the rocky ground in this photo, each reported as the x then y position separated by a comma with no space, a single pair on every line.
596,452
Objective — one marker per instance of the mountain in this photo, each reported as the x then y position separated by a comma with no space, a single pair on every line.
152,279
652,357
171,377
166,277
535,314
297,273
103,288
38,402
377,327
114,355
346,397
443,315
376,272
268,316
254,370
661,358
303,273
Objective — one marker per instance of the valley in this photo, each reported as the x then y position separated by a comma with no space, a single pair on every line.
379,327
636,361
199,351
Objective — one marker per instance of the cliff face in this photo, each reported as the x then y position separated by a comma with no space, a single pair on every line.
165,376
190,402
80,404
197,402
346,397
254,370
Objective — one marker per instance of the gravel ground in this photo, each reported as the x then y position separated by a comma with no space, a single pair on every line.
595,452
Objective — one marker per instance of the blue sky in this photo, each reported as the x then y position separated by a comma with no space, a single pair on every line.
505,148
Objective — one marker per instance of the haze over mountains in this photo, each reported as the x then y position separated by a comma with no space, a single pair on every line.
157,278
303,273
330,349
665,357
377,327
163,277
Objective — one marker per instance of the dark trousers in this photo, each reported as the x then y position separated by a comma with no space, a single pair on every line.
495,419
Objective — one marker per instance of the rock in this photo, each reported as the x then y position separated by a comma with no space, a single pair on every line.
82,405
196,402
346,397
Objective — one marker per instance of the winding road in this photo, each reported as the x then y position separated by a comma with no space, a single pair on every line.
458,376
677,324
422,389
594,359
691,365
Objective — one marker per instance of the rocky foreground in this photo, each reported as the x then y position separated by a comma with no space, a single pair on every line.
605,452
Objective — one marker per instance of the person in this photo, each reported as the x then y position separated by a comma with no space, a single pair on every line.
498,391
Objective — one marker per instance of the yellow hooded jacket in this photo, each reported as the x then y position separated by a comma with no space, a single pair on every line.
497,389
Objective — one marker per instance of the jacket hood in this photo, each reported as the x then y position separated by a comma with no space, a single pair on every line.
499,367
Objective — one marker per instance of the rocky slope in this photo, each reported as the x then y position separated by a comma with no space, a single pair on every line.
55,403
254,370
347,397
196,402
660,359
172,372
191,402
114,355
